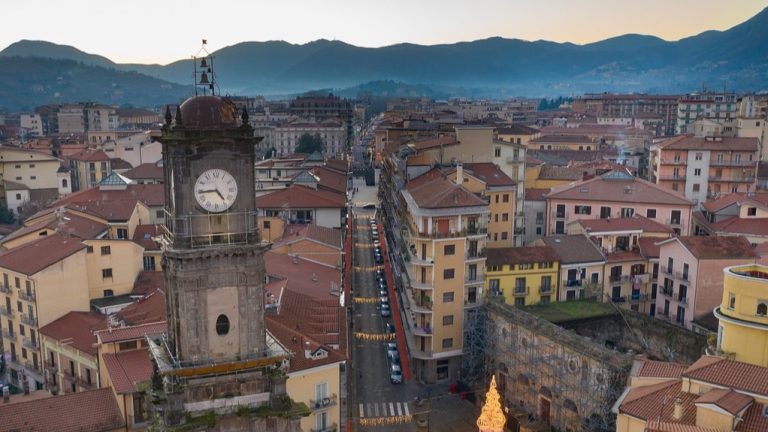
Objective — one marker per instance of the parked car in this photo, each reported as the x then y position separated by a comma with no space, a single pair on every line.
383,292
391,349
385,311
369,206
380,275
395,374
389,328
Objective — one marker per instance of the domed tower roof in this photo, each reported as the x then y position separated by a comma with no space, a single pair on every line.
208,113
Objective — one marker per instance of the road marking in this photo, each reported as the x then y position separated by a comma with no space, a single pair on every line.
405,408
376,410
399,410
362,411
392,408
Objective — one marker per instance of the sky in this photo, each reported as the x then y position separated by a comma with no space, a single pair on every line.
162,31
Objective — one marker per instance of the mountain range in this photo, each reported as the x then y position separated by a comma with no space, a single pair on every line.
35,72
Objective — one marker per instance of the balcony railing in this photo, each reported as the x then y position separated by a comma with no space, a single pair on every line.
617,278
29,343
322,403
28,320
682,300
674,162
82,382
732,163
5,289
573,283
454,233
669,292
8,335
672,177
422,331
27,296
673,222
6,312
620,299
522,291
665,270
560,215
51,366
333,427
545,289
638,297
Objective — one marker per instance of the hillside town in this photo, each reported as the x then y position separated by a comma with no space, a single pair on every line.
321,264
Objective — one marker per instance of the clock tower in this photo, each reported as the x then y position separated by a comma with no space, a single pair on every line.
213,263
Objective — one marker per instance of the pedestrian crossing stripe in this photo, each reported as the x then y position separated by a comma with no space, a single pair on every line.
368,269
384,409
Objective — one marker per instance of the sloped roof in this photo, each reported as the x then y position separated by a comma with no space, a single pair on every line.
521,255
619,187
691,142
90,156
328,236
574,249
35,256
555,172
656,401
730,373
516,129
729,400
490,173
77,329
115,179
145,171
755,198
297,196
112,204
568,139
146,310
718,247
127,369
532,194
148,281
119,164
745,226
306,277
338,165
87,411
661,369
648,247
119,334
636,222
70,224
143,234
330,179
438,192
430,143
296,342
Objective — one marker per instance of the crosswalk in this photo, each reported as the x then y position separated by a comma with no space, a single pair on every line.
384,409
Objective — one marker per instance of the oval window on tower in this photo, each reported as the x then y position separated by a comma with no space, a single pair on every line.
222,325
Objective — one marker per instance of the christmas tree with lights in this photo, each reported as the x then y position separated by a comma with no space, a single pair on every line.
492,418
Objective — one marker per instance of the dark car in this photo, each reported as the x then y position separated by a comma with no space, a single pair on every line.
395,374
385,310
379,259
380,275
389,328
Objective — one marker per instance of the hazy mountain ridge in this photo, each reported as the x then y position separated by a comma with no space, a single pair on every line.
737,57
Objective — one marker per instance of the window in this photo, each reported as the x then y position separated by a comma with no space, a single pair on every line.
752,211
675,187
448,297
538,230
18,196
122,346
650,213
627,212
493,286
122,233
505,198
582,209
519,301
497,152
504,235
762,308
267,224
108,293
696,187
699,156
505,217
89,249
605,212
33,177
106,250
448,274
222,325
106,273
731,301
447,320
17,166
448,343
149,263
64,183
449,250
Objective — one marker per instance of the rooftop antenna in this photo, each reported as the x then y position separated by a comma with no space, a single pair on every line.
205,81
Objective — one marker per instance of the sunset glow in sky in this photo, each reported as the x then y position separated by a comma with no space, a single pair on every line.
163,31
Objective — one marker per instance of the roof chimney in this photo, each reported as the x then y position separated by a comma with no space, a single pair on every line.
678,413
459,173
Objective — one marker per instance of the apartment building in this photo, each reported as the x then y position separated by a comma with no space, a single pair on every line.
691,274
517,133
523,275
284,137
722,108
88,168
617,194
533,213
302,204
563,142
735,214
635,106
711,394
31,124
445,229
704,167
743,314
581,266
135,148
30,176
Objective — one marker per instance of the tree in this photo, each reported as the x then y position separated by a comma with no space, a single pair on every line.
310,144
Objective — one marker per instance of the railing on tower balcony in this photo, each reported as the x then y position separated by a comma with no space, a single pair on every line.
213,229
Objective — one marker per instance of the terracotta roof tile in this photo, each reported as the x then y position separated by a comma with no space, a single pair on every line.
754,419
536,194
690,142
521,255
633,223
718,247
146,171
573,249
330,179
429,143
88,411
127,369
730,373
148,281
657,401
119,334
148,309
70,223
490,173
517,129
90,156
555,172
110,203
440,192
297,196
755,198
338,165
619,188
737,225
296,342
662,426
328,236
661,369
306,277
729,400
568,139
648,247
35,256
143,234
78,329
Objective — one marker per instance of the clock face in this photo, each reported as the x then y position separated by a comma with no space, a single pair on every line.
215,190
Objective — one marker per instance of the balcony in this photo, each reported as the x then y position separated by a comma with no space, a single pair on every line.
29,343
522,291
419,260
51,366
32,366
8,335
423,305
422,285
742,179
328,428
560,215
475,255
69,375
27,296
620,299
28,320
683,301
573,283
545,289
669,292
7,312
5,289
617,278
674,222
323,403
471,231
732,163
634,298
472,302
82,382
476,278
673,162
422,331
672,177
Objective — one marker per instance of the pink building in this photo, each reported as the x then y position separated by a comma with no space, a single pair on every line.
616,194
691,274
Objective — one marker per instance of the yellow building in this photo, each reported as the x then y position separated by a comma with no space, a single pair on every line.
743,314
523,275
30,175
69,349
88,168
545,176
445,228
